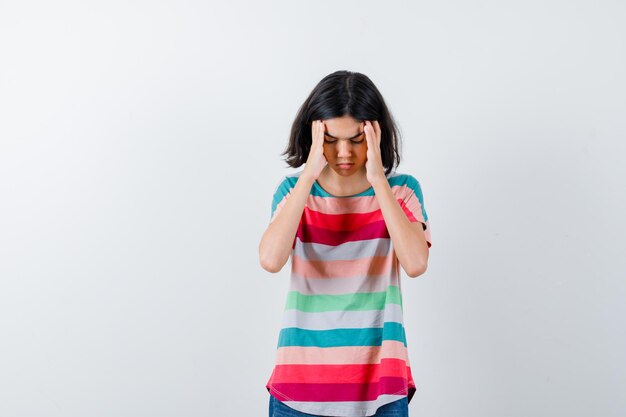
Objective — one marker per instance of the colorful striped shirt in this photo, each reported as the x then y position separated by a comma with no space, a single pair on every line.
342,349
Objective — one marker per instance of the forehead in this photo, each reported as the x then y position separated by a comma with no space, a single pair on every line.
345,125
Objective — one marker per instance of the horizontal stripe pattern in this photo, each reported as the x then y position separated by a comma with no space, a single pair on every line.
342,319
362,208
370,336
341,354
311,233
343,302
342,285
342,345
344,408
366,248
373,266
341,374
341,391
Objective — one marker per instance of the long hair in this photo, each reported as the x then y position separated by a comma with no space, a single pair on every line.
343,93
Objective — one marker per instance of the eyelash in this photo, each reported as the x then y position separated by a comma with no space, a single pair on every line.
353,141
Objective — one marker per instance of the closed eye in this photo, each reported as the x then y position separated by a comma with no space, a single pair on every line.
358,141
355,140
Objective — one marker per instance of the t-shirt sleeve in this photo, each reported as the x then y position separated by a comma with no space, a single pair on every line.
413,206
281,194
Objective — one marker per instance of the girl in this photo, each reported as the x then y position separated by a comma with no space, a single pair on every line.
349,221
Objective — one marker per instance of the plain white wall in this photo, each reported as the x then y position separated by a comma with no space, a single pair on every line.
140,147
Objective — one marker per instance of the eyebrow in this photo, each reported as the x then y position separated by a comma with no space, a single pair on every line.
355,136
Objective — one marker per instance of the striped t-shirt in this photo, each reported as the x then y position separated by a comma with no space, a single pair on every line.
342,349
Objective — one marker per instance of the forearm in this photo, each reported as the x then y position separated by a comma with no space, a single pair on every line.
409,242
277,240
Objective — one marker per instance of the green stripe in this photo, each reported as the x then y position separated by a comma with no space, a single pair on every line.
343,302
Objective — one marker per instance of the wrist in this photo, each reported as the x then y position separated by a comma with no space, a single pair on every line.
378,182
307,178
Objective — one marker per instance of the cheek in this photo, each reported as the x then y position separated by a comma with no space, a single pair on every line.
360,156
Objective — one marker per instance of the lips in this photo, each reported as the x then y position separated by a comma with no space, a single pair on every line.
344,166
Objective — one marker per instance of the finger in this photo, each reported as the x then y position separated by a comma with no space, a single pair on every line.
377,130
368,137
373,133
320,133
316,132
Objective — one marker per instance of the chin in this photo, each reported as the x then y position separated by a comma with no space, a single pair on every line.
346,172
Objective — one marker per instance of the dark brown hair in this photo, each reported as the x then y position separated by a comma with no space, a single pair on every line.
343,93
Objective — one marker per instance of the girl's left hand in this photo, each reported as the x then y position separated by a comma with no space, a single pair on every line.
374,162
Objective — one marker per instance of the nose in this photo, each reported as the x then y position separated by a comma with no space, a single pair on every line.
344,148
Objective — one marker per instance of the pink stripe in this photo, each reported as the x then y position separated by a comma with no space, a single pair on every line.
323,285
341,355
414,205
339,373
372,266
340,392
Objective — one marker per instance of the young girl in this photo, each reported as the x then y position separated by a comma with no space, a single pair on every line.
349,221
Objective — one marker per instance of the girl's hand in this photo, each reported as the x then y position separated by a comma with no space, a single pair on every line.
316,161
374,162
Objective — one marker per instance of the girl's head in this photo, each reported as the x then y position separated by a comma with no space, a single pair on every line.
344,100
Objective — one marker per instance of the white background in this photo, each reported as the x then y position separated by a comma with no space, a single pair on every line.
140,146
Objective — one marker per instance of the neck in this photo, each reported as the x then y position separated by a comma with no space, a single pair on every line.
344,184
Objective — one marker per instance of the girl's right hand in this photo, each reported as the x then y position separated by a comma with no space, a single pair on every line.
316,161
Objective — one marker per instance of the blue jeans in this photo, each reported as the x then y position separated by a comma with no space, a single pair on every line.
398,408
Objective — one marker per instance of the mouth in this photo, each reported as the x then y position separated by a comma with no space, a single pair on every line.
345,166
